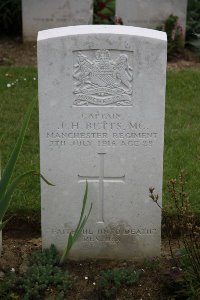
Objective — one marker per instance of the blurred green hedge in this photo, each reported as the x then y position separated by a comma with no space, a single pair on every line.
10,17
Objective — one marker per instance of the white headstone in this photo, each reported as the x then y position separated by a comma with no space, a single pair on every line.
101,102
150,13
44,14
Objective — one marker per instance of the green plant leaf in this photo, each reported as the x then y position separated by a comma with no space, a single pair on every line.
106,11
84,203
82,221
111,6
67,248
73,238
80,228
5,200
6,176
43,178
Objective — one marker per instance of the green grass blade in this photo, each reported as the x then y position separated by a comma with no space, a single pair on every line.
6,176
5,200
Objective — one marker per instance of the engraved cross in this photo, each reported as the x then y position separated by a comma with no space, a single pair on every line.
101,179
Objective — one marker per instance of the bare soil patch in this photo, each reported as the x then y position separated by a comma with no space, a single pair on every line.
19,242
14,52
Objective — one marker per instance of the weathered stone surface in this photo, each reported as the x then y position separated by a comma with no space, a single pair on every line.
44,14
101,102
150,13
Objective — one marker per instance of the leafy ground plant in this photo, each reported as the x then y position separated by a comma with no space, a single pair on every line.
175,38
10,17
104,11
110,281
152,263
193,26
185,224
43,276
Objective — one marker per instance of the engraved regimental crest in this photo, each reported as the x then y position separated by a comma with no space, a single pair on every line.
102,80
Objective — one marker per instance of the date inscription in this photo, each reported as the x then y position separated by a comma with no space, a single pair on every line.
101,130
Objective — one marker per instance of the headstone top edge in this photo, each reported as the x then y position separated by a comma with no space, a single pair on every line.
100,29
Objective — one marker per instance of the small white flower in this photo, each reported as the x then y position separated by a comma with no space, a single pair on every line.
94,283
86,278
17,79
8,85
24,78
12,270
12,83
34,78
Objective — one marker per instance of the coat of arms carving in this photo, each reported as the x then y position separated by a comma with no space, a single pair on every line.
102,80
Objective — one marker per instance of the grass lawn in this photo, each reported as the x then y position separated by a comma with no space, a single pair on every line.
182,132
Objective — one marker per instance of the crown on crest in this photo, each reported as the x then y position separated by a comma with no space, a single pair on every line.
102,55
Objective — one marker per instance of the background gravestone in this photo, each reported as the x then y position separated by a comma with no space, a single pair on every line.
44,14
150,13
101,102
